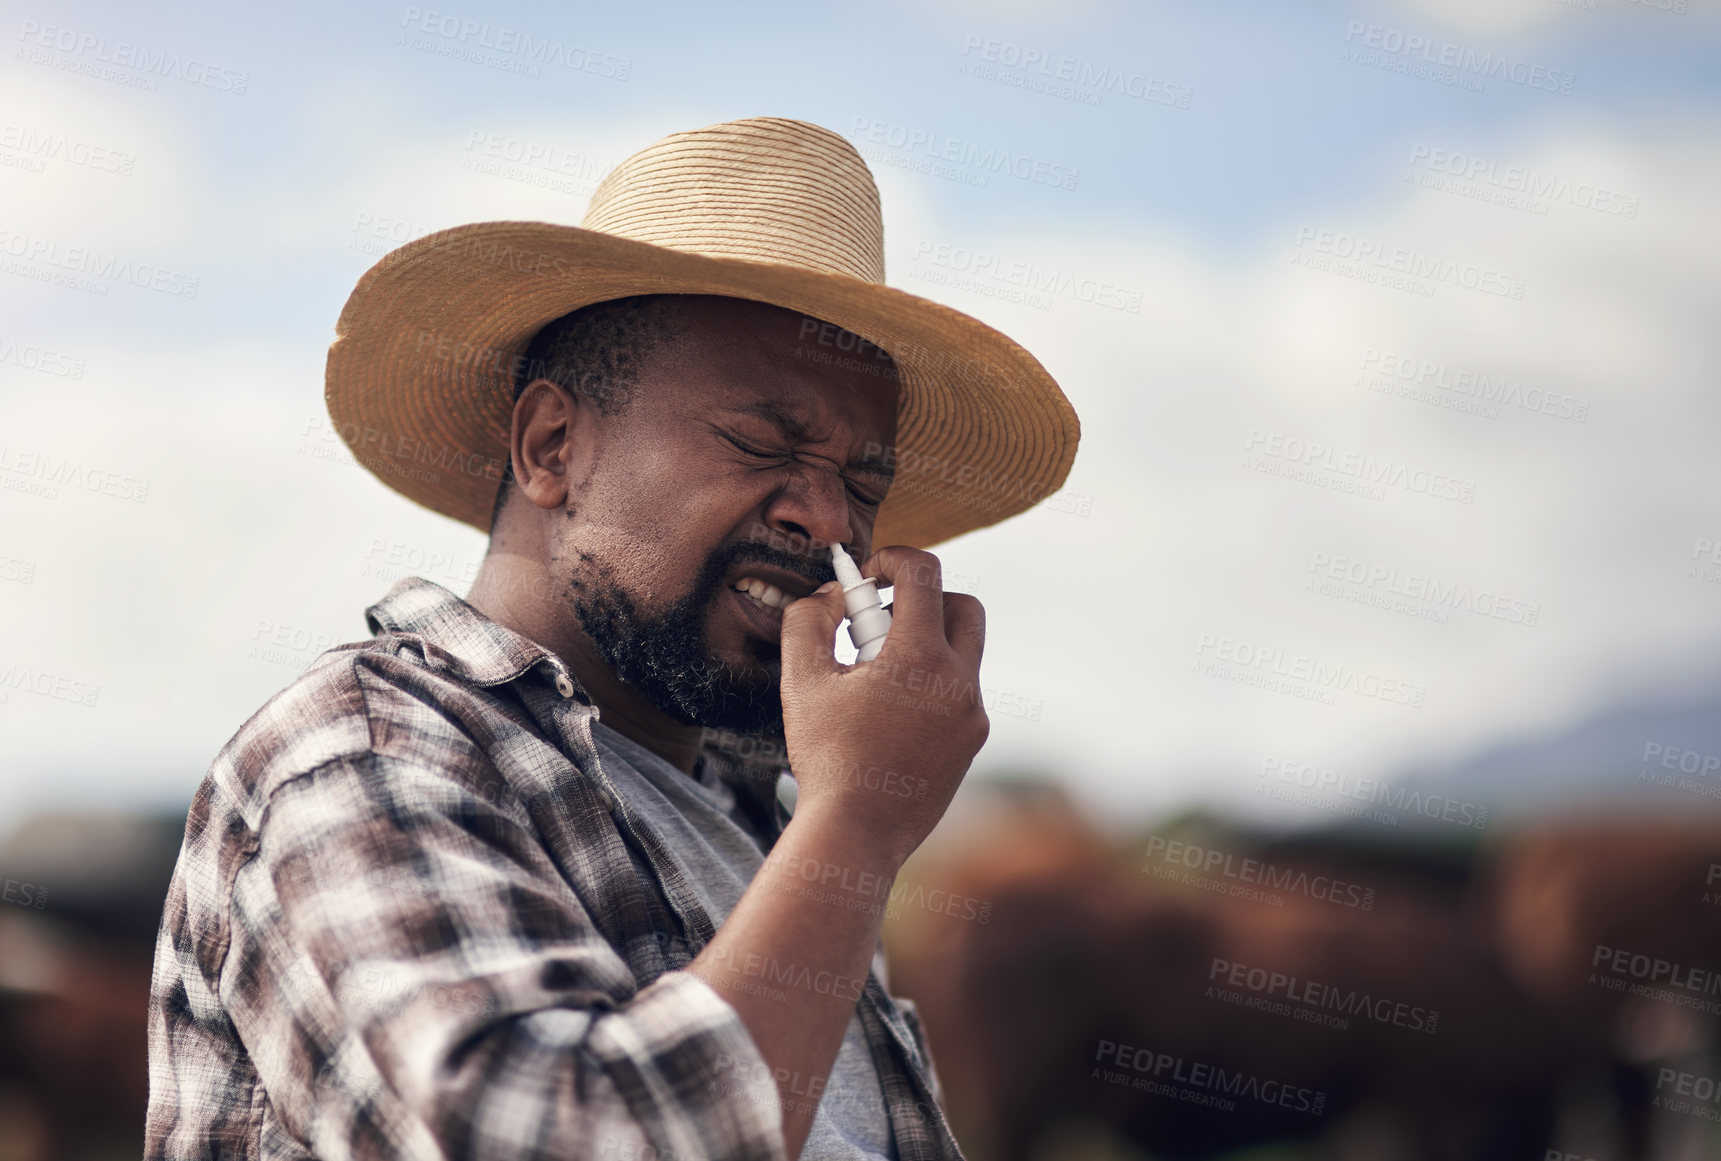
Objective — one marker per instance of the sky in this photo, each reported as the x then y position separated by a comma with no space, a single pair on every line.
1390,327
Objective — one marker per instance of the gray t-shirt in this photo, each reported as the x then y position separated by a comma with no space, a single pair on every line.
715,848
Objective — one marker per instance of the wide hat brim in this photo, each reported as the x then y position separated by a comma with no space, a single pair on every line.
419,380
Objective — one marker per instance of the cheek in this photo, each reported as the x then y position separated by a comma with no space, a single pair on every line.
688,499
652,537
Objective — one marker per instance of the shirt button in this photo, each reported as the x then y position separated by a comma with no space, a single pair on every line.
564,686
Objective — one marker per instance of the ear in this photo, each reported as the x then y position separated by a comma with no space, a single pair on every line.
553,442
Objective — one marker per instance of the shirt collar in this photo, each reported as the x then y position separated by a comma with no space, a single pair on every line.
459,640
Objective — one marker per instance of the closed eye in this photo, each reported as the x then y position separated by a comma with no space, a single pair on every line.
748,450
863,497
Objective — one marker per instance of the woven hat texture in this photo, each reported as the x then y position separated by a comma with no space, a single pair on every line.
420,377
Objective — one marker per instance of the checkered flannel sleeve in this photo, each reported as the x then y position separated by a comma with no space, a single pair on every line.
413,977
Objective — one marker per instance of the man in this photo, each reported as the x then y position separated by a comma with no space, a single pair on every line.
485,886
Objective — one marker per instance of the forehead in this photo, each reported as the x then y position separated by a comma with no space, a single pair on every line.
777,366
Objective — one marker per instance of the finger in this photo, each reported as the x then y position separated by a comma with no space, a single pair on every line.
965,628
810,633
917,578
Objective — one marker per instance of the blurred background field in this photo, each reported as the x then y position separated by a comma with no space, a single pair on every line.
1427,983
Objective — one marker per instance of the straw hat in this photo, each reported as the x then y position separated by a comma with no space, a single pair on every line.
420,376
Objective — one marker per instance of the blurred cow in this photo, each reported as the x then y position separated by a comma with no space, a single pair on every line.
1091,978
1615,923
80,899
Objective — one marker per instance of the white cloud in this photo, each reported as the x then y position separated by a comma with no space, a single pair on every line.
1593,521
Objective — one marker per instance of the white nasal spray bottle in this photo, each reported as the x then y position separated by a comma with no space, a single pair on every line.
868,620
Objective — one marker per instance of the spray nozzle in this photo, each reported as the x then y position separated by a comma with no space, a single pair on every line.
868,620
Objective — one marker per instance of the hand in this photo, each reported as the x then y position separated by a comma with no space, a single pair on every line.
882,747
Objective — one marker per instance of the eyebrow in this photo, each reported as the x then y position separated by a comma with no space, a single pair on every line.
796,431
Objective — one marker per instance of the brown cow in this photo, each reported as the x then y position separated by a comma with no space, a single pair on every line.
1615,923
1232,1004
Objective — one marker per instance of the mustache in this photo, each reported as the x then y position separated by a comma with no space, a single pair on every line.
813,568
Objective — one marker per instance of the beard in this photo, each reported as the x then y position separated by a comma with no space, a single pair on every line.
665,655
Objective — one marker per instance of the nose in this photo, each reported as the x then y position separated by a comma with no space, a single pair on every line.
813,506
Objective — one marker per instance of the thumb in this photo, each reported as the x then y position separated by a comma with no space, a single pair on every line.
809,633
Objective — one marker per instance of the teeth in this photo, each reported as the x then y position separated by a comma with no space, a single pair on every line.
765,594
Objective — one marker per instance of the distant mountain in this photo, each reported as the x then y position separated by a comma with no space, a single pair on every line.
1650,754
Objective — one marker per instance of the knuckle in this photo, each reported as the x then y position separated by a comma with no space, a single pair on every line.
903,556
920,567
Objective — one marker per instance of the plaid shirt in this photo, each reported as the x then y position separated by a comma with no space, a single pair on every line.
412,918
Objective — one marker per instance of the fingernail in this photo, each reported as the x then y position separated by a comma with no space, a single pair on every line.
828,586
